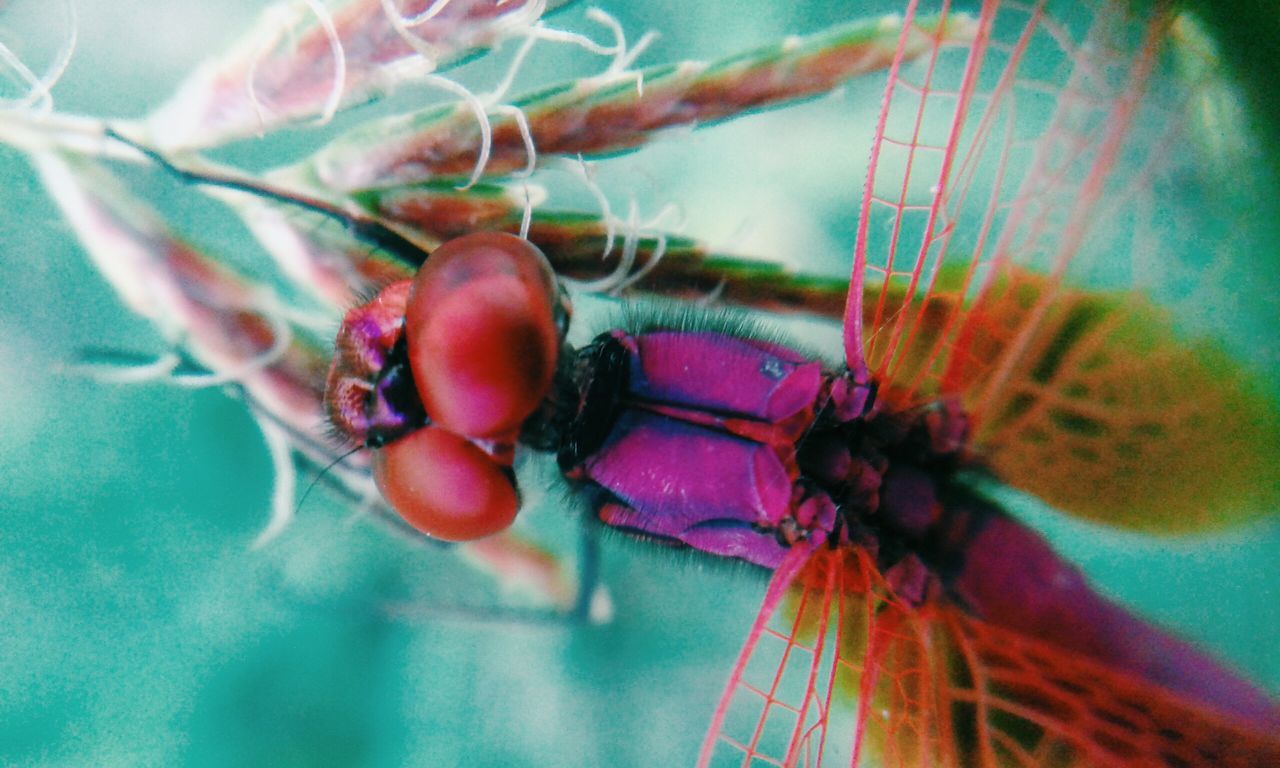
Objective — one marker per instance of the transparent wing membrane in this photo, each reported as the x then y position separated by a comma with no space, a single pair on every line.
839,671
1012,181
984,155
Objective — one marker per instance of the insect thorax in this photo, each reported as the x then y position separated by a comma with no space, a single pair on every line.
744,448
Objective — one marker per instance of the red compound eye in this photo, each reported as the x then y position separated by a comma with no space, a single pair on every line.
481,333
444,486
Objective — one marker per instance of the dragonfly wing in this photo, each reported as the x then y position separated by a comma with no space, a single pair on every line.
776,707
1109,415
841,671
1026,222
1033,704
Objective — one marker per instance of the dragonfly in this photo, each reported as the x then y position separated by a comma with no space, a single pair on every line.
909,619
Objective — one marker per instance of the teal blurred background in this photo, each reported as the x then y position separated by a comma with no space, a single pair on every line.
138,628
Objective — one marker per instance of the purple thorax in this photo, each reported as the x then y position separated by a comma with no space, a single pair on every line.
703,449
741,448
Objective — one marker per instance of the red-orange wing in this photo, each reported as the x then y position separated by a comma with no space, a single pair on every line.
839,671
1035,200
1106,413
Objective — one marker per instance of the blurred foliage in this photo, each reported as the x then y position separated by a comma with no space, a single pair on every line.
1249,35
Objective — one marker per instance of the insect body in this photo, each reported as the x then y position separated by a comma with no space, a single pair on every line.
737,447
